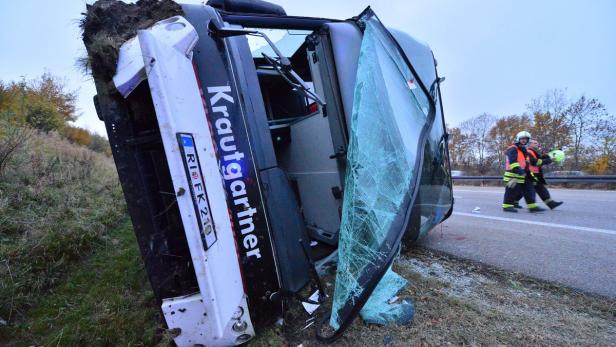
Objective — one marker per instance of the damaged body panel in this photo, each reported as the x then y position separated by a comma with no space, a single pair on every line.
392,112
251,145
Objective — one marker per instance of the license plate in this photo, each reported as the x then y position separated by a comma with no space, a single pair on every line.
197,189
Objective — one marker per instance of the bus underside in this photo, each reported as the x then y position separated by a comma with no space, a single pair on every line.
253,147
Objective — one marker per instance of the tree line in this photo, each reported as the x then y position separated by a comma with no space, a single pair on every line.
43,104
581,127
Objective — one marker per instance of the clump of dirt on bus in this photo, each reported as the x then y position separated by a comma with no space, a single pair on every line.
458,302
107,24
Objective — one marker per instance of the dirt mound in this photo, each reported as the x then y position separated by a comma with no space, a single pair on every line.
107,24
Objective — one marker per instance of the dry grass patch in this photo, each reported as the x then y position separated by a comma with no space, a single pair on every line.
463,303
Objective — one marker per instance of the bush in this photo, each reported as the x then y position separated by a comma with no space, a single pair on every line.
43,117
77,135
12,137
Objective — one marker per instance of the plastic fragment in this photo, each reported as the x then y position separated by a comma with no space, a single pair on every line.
310,308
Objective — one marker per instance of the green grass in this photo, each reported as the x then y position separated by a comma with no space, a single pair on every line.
106,301
58,202
70,269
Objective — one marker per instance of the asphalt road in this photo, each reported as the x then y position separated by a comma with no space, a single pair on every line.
574,244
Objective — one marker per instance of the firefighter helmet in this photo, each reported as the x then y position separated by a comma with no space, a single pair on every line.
521,135
557,155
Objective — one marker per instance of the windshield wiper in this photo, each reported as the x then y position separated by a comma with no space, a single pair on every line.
280,63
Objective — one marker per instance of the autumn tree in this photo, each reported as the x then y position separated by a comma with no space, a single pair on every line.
43,103
86,138
583,116
503,132
77,135
53,91
551,132
603,147
582,128
457,148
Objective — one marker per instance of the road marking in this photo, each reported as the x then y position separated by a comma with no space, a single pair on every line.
558,192
494,189
554,225
479,191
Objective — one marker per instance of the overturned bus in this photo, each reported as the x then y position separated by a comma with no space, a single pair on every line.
253,146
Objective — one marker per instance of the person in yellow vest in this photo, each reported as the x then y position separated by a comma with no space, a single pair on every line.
517,178
536,160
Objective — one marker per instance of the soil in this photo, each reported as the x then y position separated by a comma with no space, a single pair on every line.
107,24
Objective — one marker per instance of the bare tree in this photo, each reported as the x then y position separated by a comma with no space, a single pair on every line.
550,126
583,116
459,152
477,129
12,137
604,135
553,102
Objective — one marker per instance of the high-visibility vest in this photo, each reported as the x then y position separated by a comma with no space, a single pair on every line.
534,168
521,159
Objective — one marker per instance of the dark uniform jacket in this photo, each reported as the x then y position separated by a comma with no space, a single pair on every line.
516,163
536,160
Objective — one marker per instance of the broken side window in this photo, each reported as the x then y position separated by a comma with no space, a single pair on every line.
435,196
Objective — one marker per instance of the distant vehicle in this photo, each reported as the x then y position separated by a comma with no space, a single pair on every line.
457,173
564,173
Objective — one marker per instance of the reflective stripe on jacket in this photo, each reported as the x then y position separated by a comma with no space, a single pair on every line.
521,160
536,167
515,164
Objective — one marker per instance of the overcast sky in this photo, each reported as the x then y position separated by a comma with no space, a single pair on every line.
496,55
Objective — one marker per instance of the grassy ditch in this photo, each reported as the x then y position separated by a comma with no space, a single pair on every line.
59,203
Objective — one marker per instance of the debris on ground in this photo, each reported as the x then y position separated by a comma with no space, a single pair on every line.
459,302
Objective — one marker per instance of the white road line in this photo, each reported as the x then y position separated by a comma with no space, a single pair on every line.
479,191
502,188
555,192
554,225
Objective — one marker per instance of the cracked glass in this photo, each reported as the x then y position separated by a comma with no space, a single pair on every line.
390,109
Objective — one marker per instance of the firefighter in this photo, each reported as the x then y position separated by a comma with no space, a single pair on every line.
517,176
536,160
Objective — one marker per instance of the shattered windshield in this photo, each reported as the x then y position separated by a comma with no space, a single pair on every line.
390,112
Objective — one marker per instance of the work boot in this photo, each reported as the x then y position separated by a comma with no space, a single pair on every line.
516,205
510,209
536,209
554,204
